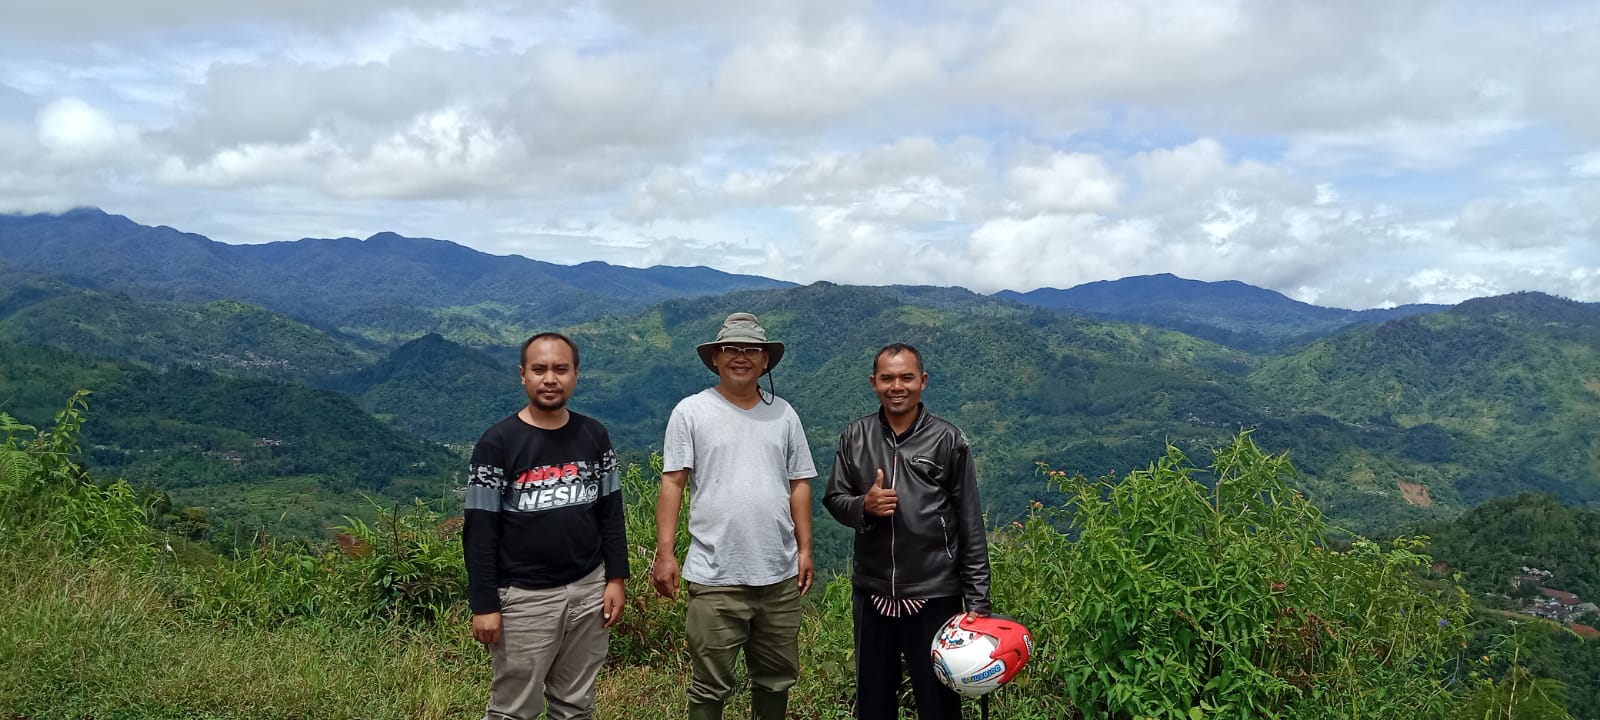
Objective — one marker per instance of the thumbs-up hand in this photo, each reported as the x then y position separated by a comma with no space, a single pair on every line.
880,501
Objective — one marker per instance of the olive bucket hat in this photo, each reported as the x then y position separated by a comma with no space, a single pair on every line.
742,329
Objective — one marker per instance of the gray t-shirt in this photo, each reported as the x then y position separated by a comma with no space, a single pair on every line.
740,461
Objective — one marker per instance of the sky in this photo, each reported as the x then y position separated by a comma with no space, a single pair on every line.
1361,153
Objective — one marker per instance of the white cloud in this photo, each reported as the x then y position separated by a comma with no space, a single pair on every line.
1063,183
83,19
785,81
444,153
1508,224
247,164
1357,153
1057,250
74,133
1586,165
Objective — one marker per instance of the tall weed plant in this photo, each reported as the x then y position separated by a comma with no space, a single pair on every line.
1180,592
48,499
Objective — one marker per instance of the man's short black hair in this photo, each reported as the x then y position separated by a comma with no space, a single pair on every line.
522,357
893,349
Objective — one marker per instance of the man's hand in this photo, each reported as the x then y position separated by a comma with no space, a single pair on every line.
486,628
880,501
664,574
611,603
808,573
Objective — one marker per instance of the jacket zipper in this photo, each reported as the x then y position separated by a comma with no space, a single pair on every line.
893,485
894,482
894,477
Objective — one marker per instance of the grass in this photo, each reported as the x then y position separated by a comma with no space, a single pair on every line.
80,640
86,642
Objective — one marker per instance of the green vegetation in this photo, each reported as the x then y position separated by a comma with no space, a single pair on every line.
439,389
1183,600
1405,422
1167,598
1488,544
1498,396
223,336
219,442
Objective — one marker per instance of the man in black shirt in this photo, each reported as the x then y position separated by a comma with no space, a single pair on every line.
545,547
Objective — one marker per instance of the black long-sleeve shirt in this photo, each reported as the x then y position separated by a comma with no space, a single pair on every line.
543,509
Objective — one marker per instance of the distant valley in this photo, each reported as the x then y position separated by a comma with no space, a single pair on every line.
203,350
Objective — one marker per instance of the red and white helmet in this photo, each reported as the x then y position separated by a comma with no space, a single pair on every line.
974,655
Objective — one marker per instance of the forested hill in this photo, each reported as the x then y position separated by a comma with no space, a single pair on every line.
1499,395
440,389
254,452
223,335
1489,543
386,288
1028,385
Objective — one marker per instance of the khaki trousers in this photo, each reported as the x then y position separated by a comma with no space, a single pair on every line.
552,643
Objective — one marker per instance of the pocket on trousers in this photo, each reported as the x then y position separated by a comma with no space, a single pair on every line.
511,597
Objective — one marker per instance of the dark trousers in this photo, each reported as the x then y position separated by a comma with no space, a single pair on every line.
881,642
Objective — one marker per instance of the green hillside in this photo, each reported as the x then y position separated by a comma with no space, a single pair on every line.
1027,385
224,335
1498,396
1488,544
254,452
439,389
1388,424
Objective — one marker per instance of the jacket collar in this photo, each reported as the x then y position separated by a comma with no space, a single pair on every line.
883,421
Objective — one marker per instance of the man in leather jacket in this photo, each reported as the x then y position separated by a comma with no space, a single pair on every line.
904,479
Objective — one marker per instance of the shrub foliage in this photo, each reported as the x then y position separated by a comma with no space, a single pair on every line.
1175,591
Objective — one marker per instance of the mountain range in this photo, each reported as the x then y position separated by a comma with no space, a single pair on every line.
1394,416
1228,312
386,288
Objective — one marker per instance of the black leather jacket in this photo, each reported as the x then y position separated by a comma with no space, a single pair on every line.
935,544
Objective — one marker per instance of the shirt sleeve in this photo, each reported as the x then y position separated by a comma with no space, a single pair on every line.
801,466
480,528
609,511
677,449
840,498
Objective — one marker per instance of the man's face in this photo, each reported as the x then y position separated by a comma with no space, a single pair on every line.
899,383
548,373
739,363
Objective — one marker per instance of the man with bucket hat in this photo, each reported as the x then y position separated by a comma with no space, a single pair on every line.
742,453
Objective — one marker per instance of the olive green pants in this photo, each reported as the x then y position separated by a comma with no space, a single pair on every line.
764,621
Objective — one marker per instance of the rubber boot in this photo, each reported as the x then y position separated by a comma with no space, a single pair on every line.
767,705
705,711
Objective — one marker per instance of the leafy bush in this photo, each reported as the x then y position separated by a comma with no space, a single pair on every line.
1179,599
409,562
46,496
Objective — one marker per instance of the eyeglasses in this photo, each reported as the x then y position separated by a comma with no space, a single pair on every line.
751,351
